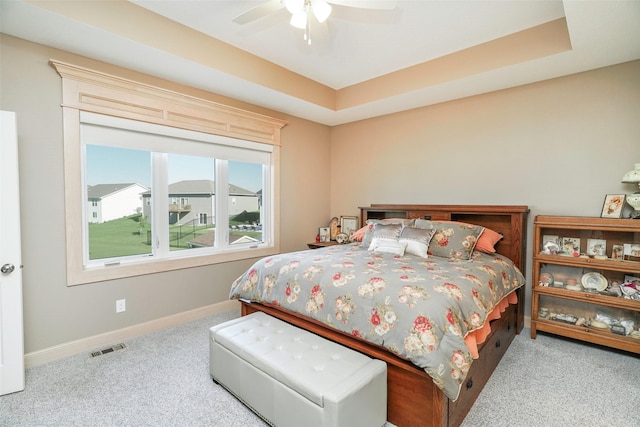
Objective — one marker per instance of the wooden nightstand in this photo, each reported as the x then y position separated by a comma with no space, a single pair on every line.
316,245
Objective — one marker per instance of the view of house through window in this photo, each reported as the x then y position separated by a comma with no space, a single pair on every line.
116,180
146,201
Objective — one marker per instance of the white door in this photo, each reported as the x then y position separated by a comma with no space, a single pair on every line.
11,327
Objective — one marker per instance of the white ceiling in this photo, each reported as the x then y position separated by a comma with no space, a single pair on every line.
346,49
353,46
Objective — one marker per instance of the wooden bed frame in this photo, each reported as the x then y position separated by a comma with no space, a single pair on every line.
413,398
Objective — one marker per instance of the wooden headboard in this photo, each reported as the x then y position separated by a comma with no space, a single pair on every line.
510,221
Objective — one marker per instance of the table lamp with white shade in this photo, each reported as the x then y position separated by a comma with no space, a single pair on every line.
633,177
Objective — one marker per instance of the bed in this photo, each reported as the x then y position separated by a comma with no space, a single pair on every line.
406,307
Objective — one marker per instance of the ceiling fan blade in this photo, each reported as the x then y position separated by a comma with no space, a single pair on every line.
258,12
366,4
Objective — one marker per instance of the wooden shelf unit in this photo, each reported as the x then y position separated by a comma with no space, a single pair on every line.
586,304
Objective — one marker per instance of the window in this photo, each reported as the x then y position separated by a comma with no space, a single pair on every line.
152,136
166,193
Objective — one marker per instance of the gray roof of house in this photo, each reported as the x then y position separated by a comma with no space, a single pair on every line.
202,187
99,191
196,186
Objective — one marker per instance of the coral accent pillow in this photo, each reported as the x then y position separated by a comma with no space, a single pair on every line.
358,235
487,241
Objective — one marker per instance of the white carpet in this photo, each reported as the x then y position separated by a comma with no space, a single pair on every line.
162,379
552,381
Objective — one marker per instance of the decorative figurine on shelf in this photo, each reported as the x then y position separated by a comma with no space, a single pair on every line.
633,200
631,290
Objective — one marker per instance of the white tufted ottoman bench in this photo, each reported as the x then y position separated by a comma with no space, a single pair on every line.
291,377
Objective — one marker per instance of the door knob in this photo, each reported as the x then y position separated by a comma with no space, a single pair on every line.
7,268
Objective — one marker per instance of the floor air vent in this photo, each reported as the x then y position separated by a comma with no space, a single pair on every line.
108,350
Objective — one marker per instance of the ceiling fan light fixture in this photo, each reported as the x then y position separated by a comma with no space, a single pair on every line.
321,10
294,6
299,20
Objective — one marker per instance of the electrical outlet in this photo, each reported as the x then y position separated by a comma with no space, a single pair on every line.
121,305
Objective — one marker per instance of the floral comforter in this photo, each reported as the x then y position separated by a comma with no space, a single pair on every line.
420,309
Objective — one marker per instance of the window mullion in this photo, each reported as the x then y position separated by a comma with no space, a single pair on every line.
160,204
221,202
266,218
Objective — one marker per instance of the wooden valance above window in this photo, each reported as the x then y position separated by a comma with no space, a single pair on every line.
88,90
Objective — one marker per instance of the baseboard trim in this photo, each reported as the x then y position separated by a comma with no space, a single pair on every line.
88,344
97,341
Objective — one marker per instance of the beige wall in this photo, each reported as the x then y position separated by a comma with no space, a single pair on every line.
557,146
54,313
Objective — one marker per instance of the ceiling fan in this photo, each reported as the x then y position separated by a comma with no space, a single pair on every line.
302,11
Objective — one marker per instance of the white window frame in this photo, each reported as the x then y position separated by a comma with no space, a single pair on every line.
91,91
97,129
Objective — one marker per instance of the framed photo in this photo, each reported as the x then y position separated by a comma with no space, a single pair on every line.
325,234
613,204
348,224
631,251
571,246
550,244
617,252
597,247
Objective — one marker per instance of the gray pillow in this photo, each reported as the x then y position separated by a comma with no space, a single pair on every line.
451,239
366,240
417,240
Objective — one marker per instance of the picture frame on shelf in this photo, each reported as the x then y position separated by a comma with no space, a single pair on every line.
571,246
612,207
631,251
551,244
617,252
596,247
325,234
348,224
